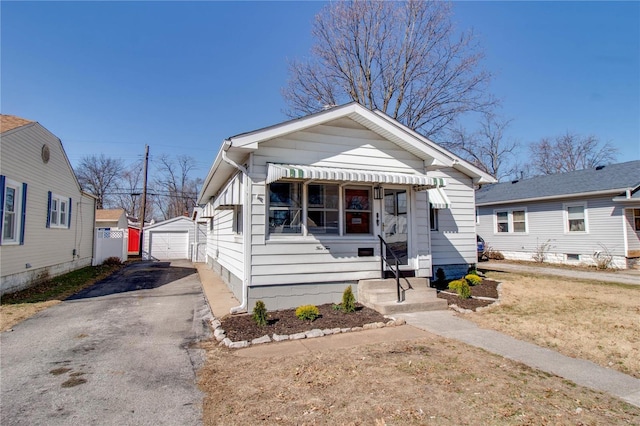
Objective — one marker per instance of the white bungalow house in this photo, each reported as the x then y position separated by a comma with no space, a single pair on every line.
298,209
46,226
587,216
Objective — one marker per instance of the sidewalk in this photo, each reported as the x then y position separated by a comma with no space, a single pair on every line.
581,372
441,323
623,276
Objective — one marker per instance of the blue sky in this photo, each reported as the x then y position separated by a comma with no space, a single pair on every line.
110,77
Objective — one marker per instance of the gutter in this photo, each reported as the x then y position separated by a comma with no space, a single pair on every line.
246,234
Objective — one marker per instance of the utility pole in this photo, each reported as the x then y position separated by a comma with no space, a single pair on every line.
143,207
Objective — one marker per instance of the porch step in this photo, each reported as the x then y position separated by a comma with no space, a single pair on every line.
381,295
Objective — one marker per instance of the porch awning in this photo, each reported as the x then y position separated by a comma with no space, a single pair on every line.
421,182
438,198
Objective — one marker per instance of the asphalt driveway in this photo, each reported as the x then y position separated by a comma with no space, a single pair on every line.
119,353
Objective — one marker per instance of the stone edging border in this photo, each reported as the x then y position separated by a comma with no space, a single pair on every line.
483,308
221,337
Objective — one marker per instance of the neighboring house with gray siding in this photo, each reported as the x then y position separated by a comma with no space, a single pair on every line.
296,209
47,225
585,216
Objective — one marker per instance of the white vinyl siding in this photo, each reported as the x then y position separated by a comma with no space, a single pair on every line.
548,221
58,252
454,243
323,257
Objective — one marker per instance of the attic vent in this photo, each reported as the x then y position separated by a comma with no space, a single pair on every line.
515,181
599,167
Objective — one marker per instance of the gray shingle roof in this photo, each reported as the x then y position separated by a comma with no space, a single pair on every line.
610,178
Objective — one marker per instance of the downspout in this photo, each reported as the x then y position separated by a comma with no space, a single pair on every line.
245,231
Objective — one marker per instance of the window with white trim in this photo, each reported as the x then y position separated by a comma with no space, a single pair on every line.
575,217
328,210
237,219
285,208
12,201
323,203
59,212
636,219
357,210
433,218
511,221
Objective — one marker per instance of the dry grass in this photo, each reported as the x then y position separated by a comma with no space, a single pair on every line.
596,321
426,381
11,315
17,307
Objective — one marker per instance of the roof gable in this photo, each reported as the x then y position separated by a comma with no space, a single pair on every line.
166,222
109,214
10,122
614,178
434,156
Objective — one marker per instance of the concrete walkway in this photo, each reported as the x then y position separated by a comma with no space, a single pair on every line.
581,372
626,276
442,323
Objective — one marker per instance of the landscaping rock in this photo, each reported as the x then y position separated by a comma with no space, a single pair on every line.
297,336
357,328
239,345
215,324
219,334
279,337
345,330
314,333
226,341
400,321
329,331
260,340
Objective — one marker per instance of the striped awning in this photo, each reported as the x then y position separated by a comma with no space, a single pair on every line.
420,182
438,198
231,195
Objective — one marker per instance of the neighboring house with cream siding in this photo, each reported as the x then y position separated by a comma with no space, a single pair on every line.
111,219
47,220
296,209
585,216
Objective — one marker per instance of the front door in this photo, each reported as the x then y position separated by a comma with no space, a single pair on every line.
395,225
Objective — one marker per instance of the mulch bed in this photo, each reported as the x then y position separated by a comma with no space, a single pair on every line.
488,288
243,327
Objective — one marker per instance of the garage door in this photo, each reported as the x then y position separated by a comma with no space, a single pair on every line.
169,245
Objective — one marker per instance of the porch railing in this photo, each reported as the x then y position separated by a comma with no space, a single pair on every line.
393,265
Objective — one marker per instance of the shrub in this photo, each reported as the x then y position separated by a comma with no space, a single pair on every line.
260,313
112,261
473,270
307,312
473,279
348,300
440,275
461,287
494,254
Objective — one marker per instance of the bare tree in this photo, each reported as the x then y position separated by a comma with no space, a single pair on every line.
403,58
129,194
570,152
99,175
176,191
486,148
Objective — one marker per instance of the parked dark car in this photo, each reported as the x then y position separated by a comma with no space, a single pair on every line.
481,247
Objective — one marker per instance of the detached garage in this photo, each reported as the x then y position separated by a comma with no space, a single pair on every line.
171,239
